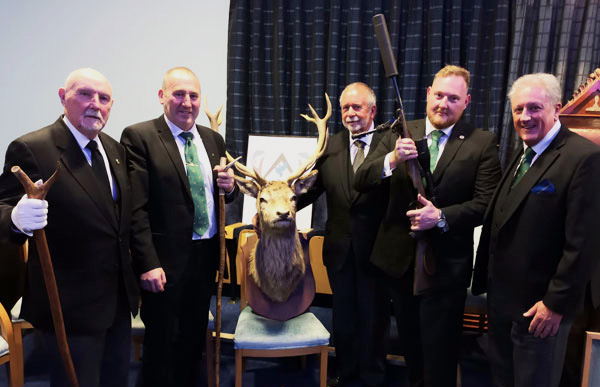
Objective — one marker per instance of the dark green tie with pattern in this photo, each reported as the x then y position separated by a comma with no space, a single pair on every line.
434,148
524,166
194,172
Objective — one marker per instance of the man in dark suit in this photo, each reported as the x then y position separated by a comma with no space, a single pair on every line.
465,167
539,239
359,307
175,244
88,224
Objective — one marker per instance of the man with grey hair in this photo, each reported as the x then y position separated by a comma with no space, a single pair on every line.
538,241
359,305
86,216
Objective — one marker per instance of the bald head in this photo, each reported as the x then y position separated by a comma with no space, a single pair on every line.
180,97
87,100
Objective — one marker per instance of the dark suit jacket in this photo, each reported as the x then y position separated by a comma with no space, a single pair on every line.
540,240
163,211
465,177
352,218
87,239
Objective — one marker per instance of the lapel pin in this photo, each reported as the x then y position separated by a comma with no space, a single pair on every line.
117,161
462,137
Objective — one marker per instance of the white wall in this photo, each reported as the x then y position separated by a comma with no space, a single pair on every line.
133,43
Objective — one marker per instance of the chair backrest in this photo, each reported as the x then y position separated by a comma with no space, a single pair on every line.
246,242
315,249
591,360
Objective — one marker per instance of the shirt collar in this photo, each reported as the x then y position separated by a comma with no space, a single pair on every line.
366,139
430,128
176,130
544,142
79,137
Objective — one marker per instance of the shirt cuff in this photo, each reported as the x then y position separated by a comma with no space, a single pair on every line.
387,170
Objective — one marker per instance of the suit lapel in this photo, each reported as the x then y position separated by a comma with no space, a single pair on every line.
118,170
341,147
76,164
374,141
456,140
533,175
166,137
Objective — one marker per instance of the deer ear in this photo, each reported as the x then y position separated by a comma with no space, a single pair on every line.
302,184
248,187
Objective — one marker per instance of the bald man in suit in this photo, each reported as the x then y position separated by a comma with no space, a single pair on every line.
175,179
86,216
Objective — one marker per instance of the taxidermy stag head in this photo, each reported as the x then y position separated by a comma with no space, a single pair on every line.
277,263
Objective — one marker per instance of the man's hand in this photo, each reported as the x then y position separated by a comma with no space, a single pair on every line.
405,150
545,322
154,280
425,217
30,214
225,178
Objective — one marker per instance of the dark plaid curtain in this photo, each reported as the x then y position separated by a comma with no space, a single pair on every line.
285,54
558,37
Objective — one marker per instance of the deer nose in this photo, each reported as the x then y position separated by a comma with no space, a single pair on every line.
283,214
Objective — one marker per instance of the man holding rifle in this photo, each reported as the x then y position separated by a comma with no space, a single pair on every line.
465,170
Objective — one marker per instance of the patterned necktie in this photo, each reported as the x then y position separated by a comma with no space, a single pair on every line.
99,168
360,154
434,148
194,172
524,166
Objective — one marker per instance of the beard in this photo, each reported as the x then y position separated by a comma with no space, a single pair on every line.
441,122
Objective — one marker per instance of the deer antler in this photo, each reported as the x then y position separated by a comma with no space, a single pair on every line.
321,142
215,119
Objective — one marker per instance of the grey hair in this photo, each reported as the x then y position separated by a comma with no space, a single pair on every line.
371,99
548,82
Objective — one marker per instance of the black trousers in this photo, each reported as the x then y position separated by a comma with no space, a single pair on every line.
518,358
429,330
100,359
360,321
176,321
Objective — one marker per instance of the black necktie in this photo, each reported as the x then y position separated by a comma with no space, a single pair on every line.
99,168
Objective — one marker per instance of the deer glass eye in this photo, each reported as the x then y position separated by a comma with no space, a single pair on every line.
263,200
293,198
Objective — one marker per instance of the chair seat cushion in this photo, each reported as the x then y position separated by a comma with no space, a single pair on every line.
3,346
257,332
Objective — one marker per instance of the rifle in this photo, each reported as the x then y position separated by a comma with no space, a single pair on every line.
417,168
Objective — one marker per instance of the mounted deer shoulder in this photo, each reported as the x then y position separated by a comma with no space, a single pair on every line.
277,263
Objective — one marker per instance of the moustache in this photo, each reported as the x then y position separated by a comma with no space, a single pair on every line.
93,114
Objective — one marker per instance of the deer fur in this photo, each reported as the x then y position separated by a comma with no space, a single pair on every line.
277,262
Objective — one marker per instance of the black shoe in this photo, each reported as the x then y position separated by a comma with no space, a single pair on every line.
334,382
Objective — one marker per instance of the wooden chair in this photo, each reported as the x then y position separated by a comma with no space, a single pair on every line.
315,249
591,360
257,336
8,352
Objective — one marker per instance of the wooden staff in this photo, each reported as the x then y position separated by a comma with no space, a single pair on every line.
222,252
39,192
215,121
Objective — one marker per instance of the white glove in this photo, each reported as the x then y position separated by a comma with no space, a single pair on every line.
30,214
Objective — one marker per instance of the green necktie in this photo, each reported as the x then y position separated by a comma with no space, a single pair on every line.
434,148
194,172
524,166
